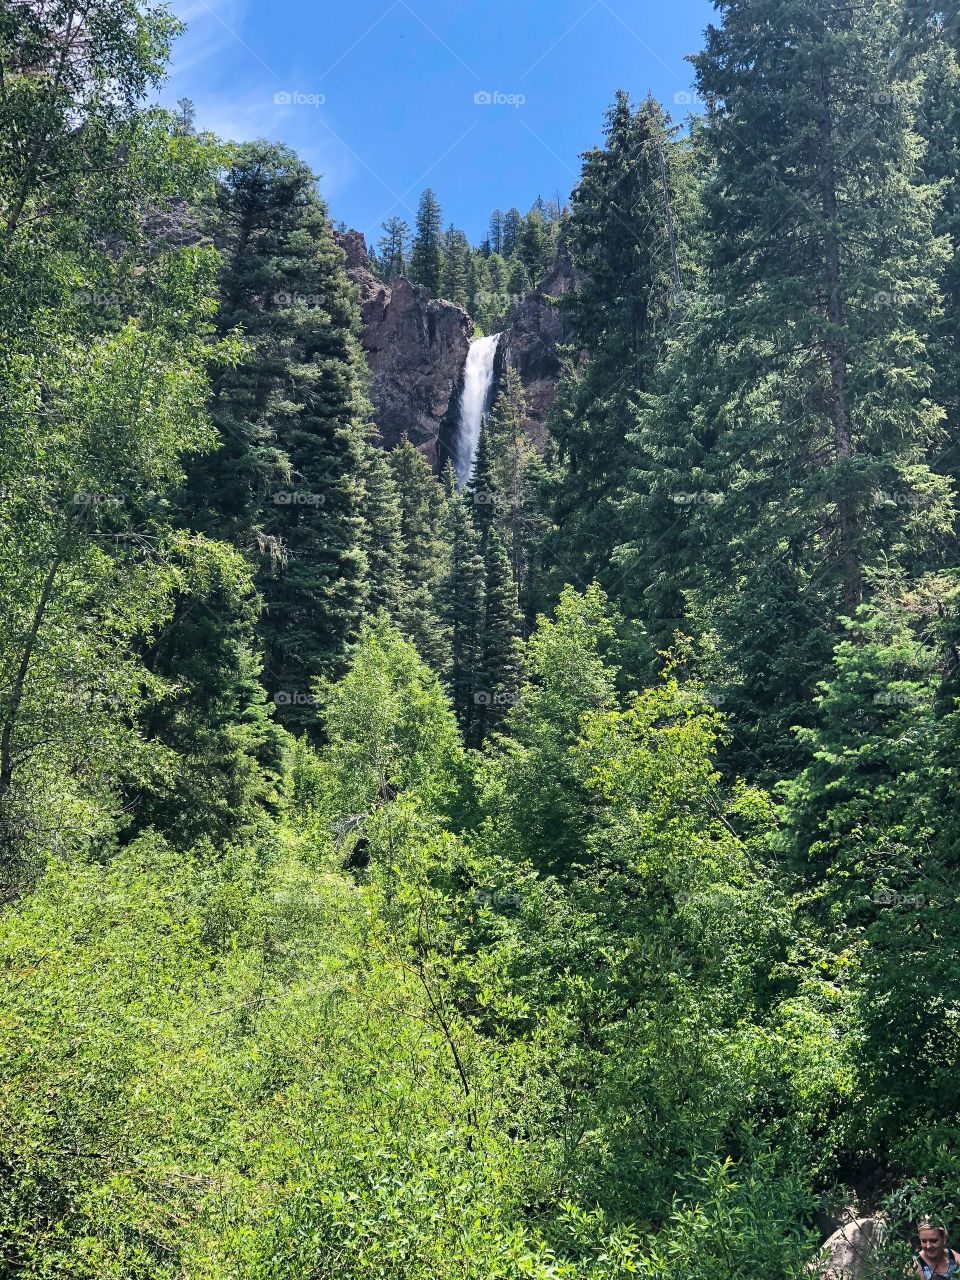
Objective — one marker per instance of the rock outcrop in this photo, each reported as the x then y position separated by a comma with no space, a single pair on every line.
416,347
536,329
355,248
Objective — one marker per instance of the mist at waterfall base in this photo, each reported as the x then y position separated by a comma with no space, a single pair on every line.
474,401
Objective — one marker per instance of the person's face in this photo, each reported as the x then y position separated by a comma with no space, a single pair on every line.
931,1242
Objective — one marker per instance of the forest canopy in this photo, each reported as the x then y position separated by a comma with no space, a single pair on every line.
554,875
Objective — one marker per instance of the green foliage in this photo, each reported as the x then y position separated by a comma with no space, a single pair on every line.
456,267
794,424
210,713
534,246
872,820
383,526
516,481
619,238
391,735
424,553
540,804
393,246
461,607
500,662
285,486
103,383
506,966
426,255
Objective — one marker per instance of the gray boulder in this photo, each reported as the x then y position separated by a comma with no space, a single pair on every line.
847,1253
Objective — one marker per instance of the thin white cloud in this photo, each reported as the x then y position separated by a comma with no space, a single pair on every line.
209,34
216,66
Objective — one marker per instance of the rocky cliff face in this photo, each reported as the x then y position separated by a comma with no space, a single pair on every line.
417,345
416,348
530,343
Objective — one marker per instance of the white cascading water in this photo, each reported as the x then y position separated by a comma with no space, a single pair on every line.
477,379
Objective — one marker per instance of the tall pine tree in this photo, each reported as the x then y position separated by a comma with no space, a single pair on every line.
426,256
510,232
619,237
286,486
462,611
456,266
393,247
794,419
383,534
516,477
500,658
423,553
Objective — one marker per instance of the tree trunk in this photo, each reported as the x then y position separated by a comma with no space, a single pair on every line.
17,692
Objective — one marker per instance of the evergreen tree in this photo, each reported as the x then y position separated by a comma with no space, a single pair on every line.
780,406
501,653
939,125
424,552
456,266
383,535
824,116
510,236
534,246
499,292
392,248
479,290
516,477
499,273
461,610
518,280
481,490
227,752
286,485
186,117
496,231
426,256
619,239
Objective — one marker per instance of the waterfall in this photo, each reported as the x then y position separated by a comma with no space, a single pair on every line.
477,381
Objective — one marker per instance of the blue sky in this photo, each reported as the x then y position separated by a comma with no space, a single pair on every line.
380,96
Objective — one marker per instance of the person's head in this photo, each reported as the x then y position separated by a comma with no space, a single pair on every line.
933,1238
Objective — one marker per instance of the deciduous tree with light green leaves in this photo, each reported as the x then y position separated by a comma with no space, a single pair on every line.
107,341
